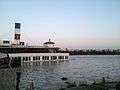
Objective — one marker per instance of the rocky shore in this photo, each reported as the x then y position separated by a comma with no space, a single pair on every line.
96,85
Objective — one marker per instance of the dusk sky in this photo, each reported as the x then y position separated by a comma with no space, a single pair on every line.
75,24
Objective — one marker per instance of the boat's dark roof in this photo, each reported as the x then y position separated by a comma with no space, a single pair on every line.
28,49
49,42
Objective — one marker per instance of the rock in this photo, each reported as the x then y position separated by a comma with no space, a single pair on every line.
118,86
64,78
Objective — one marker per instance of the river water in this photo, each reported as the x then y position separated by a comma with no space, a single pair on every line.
82,68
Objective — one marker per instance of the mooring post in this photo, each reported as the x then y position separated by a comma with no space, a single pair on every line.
32,86
18,80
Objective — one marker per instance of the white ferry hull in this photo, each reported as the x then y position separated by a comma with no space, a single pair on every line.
36,57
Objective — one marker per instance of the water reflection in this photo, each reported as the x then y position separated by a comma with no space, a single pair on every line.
45,75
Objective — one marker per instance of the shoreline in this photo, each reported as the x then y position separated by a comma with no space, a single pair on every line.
96,85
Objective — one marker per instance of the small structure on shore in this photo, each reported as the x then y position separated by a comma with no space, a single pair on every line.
4,59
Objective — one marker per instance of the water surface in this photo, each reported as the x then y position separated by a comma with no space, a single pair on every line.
47,76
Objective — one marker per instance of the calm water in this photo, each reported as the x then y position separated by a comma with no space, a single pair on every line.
47,76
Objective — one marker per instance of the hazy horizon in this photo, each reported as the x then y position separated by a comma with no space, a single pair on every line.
69,23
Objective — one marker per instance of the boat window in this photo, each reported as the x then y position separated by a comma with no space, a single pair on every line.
6,42
23,58
12,58
66,57
53,57
45,57
61,57
34,57
26,58
39,57
15,58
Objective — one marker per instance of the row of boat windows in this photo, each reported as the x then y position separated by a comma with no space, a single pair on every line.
40,57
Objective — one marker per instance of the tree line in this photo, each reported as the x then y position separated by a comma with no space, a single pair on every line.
93,52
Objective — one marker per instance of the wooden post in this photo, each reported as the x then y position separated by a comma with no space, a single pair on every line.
32,86
18,80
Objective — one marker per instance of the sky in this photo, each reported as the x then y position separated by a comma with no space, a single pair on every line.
77,24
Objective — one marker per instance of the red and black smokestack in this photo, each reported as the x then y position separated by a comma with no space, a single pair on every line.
17,33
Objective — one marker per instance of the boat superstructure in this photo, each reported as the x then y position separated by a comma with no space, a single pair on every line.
25,53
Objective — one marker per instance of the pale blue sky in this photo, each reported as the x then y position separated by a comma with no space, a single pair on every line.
70,23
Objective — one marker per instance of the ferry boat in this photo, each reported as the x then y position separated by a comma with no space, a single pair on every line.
18,51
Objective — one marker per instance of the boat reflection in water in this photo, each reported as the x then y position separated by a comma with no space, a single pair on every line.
42,63
45,75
